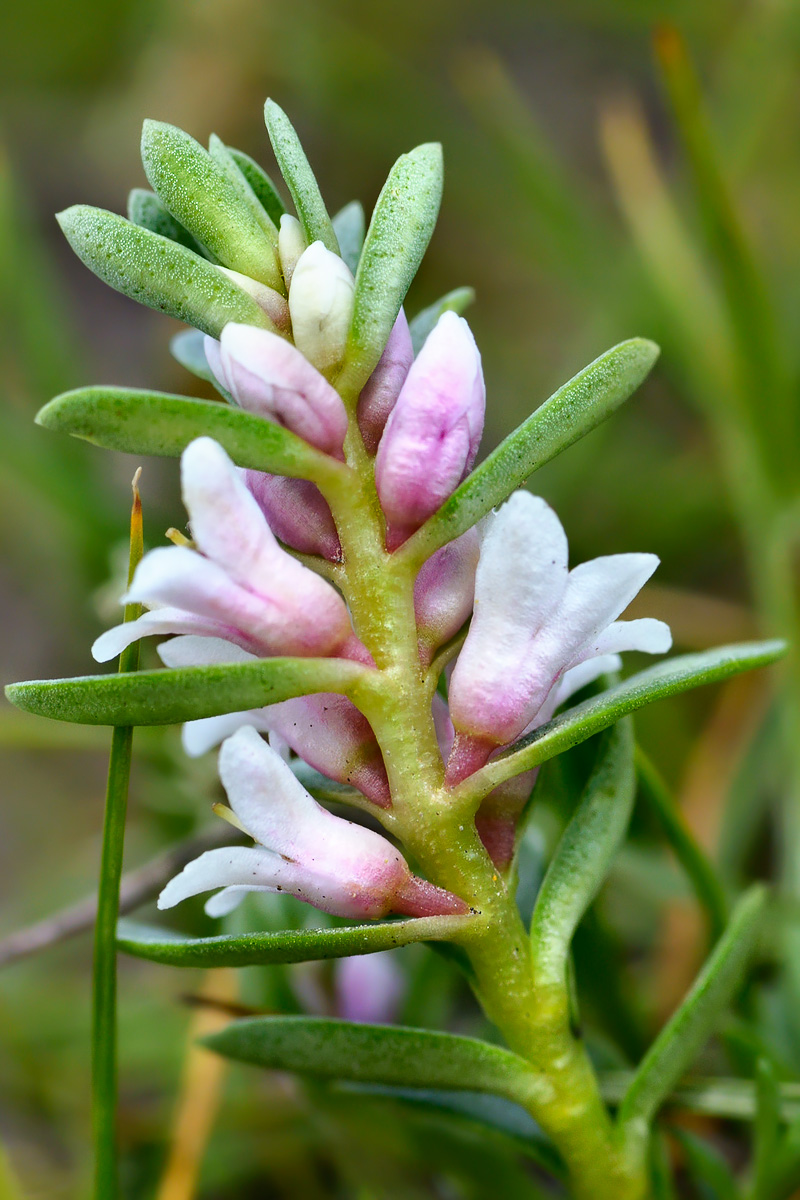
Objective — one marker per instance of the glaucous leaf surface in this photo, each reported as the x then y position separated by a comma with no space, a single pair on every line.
300,179
421,325
261,184
349,225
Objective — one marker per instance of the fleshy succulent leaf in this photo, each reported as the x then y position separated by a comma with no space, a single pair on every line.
141,422
288,946
158,272
332,1049
299,177
262,185
147,210
401,227
349,225
227,163
201,195
184,694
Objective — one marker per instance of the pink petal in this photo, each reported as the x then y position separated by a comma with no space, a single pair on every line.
379,394
444,592
297,513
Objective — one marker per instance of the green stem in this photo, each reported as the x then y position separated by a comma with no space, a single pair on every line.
104,996
440,836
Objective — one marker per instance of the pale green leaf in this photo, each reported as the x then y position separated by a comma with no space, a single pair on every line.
456,301
171,696
349,225
299,177
201,195
148,211
226,162
157,271
262,185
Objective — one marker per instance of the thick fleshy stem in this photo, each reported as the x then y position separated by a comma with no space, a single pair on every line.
444,841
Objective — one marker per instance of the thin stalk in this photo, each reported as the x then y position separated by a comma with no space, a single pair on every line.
104,996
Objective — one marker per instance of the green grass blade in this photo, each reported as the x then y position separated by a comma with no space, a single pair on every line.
692,1024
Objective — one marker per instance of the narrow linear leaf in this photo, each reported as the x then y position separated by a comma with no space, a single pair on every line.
767,1128
401,227
222,156
331,1049
699,871
692,1024
584,853
661,1180
730,1098
570,413
668,678
140,422
289,946
349,225
262,185
299,177
170,696
201,195
158,272
145,209
481,1109
706,1165
456,301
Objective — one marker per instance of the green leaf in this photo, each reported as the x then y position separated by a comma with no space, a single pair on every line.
704,880
729,1098
706,1165
481,1109
331,1049
200,194
187,348
288,946
690,1027
227,163
399,231
167,697
668,678
570,413
158,272
456,301
349,225
140,422
300,179
767,1128
584,853
145,209
262,185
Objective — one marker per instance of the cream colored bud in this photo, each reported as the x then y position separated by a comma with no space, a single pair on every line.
272,302
291,244
321,306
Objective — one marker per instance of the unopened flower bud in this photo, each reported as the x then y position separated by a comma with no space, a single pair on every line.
444,592
433,433
291,244
321,306
273,303
297,513
379,394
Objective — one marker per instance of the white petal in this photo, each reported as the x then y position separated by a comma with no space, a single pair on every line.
596,593
248,866
159,621
228,899
202,735
645,633
201,652
579,676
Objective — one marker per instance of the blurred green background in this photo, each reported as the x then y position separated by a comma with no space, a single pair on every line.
587,199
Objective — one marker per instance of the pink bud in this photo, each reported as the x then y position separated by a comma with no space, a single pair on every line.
297,513
444,593
273,303
267,375
379,394
302,849
433,432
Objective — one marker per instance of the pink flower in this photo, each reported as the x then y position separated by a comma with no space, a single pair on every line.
297,513
369,987
534,619
432,435
267,375
379,394
238,585
302,849
444,592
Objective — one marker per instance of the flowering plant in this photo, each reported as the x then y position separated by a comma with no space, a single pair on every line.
395,619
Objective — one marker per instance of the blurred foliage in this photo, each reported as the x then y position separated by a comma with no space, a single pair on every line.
585,202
